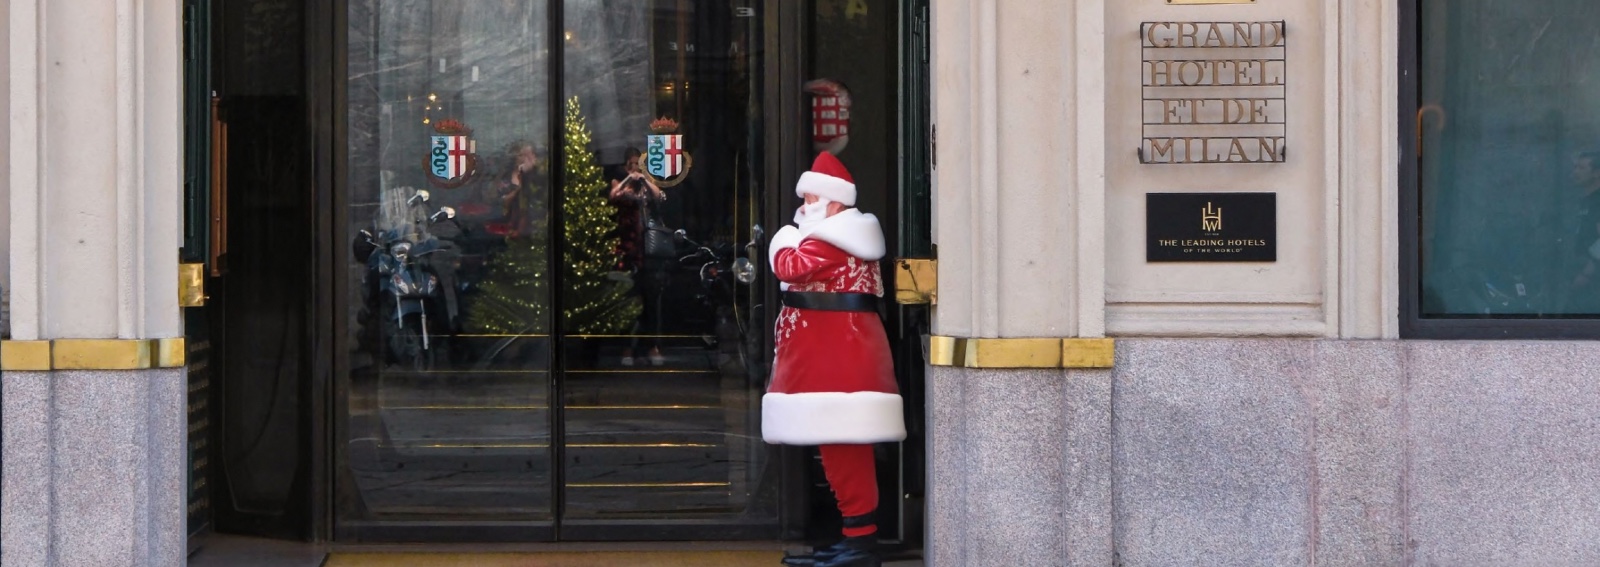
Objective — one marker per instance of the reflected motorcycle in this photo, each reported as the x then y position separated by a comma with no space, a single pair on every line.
409,287
720,274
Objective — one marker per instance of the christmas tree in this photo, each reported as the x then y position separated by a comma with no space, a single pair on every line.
594,303
515,292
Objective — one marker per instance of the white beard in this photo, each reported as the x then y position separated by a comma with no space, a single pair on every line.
809,216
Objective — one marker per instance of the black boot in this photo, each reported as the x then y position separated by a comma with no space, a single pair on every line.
817,554
822,556
861,551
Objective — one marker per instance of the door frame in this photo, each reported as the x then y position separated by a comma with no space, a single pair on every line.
786,155
325,54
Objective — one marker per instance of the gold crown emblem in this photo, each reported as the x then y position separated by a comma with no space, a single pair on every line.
663,125
451,126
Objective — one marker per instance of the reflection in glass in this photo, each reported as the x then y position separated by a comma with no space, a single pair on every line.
449,288
1510,146
662,385
461,288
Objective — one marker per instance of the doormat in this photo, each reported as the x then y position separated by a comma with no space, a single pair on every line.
560,559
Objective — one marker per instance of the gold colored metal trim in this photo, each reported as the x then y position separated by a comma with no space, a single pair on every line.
1021,353
641,445
467,445
639,408
916,281
627,370
475,335
20,356
171,353
1088,353
92,354
463,408
191,285
100,354
942,350
648,485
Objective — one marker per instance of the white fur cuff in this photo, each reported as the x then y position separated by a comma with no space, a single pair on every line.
786,237
832,418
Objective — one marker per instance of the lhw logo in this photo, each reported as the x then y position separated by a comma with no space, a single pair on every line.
1211,218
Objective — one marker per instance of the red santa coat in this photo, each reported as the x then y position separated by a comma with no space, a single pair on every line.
833,379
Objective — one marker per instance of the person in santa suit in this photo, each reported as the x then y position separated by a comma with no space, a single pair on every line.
832,378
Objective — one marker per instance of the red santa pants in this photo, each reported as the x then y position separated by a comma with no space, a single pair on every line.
853,475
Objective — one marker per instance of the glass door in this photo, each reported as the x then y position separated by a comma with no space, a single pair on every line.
447,407
661,333
555,327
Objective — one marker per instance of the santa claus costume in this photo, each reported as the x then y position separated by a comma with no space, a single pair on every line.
833,381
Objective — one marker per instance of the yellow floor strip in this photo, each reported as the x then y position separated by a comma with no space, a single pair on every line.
561,559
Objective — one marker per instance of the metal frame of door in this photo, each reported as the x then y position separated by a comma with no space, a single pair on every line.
786,155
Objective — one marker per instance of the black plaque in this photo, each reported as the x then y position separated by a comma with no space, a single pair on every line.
1211,227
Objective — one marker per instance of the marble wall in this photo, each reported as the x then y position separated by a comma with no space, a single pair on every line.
1273,453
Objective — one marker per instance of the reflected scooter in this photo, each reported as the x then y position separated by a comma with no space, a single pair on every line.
406,268
719,273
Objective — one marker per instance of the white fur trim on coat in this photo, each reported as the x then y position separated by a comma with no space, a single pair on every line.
855,232
832,418
826,186
786,237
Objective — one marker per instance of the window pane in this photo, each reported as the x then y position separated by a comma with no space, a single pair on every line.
1510,158
448,414
663,365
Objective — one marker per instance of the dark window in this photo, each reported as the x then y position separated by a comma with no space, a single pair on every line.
1501,187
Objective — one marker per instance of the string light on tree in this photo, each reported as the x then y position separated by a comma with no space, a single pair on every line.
515,292
594,302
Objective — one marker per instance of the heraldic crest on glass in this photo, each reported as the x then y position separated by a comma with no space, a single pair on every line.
452,157
665,161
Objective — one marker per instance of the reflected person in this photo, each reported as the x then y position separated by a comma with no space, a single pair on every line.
521,199
644,248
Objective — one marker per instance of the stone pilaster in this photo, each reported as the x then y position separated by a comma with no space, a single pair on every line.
93,406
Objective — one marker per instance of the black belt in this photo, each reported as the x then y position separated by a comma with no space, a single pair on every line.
831,301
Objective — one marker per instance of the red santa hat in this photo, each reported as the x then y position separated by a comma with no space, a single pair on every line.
828,179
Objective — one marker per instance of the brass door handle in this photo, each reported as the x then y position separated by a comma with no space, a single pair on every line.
192,285
916,281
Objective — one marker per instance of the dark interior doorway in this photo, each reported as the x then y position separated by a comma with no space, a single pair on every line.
250,221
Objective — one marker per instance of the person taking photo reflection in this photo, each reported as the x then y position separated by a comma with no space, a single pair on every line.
638,199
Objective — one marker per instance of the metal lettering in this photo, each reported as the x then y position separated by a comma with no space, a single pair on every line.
1211,73
1158,151
1212,35
1174,150
1194,29
1242,113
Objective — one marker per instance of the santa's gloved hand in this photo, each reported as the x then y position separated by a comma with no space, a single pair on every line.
786,237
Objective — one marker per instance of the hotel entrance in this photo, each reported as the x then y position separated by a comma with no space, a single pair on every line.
542,307
555,324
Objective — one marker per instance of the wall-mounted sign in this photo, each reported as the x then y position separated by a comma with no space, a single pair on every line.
1211,227
1213,92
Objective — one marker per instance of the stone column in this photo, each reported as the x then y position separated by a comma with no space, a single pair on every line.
1019,446
93,386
